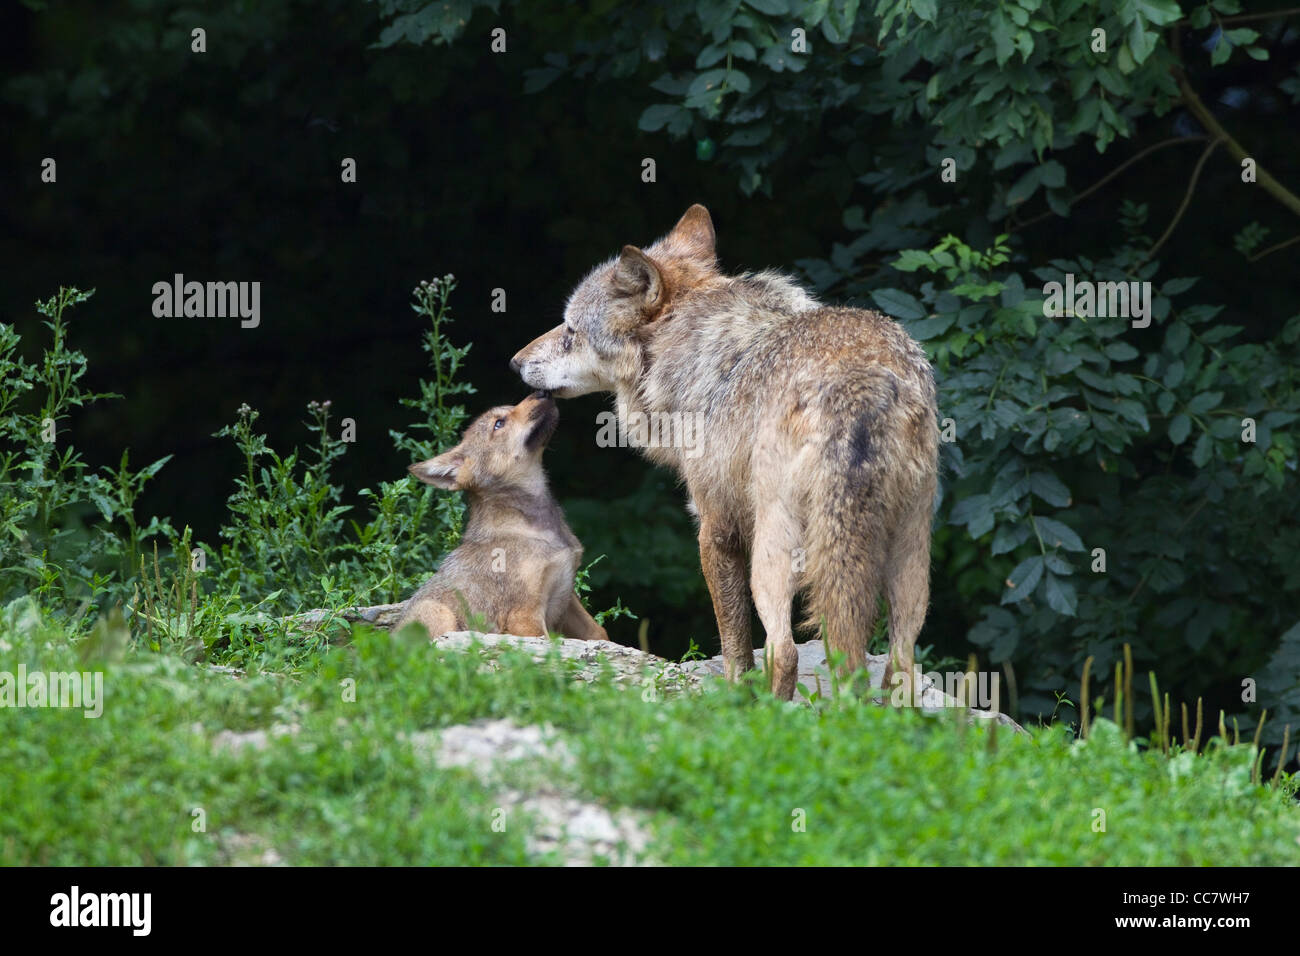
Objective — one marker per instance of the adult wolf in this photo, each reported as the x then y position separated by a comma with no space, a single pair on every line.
820,438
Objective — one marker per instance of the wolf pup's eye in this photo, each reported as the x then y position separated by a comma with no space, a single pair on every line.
566,343
498,423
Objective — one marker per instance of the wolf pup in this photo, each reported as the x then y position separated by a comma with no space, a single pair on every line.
820,438
517,557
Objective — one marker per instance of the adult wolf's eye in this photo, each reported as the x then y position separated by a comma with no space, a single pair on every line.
498,423
566,343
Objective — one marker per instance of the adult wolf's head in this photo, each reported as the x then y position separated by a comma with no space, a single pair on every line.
613,311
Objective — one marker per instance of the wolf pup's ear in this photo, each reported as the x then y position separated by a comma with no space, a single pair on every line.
635,274
441,472
694,234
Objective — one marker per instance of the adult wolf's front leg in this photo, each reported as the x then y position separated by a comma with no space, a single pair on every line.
723,561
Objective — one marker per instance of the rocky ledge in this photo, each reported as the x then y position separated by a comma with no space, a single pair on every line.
631,665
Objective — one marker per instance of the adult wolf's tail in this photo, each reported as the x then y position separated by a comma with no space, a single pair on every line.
868,511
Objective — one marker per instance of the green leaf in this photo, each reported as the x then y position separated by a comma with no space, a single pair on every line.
773,8
909,260
927,10
1125,60
1009,537
1058,535
1175,286
1003,31
153,469
738,81
839,22
1052,174
1023,580
1160,12
1061,596
1024,187
976,512
1133,412
779,57
925,329
105,506
1204,448
1141,44
707,82
1057,563
654,117
1204,402
1174,375
899,304
711,54
1177,337
1047,486
1179,428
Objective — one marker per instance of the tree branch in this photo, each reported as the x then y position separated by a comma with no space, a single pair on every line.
1112,174
1274,248
1248,17
1187,198
1198,109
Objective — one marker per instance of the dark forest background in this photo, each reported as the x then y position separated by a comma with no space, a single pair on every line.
520,170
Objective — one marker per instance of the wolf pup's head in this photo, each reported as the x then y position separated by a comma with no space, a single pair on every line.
501,450
613,310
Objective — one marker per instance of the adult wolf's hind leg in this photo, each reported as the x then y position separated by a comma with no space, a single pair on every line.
908,586
723,562
772,581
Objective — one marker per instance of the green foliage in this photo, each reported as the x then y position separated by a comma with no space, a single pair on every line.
582,585
288,532
1280,689
717,778
74,544
125,786
70,535
285,532
760,77
651,532
1073,434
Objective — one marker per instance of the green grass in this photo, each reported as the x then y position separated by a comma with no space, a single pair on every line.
721,778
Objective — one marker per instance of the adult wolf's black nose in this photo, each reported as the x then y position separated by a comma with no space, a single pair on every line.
514,365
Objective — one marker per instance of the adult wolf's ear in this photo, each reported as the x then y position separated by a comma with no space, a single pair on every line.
694,234
441,472
636,275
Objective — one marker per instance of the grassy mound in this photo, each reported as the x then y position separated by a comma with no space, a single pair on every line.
719,778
